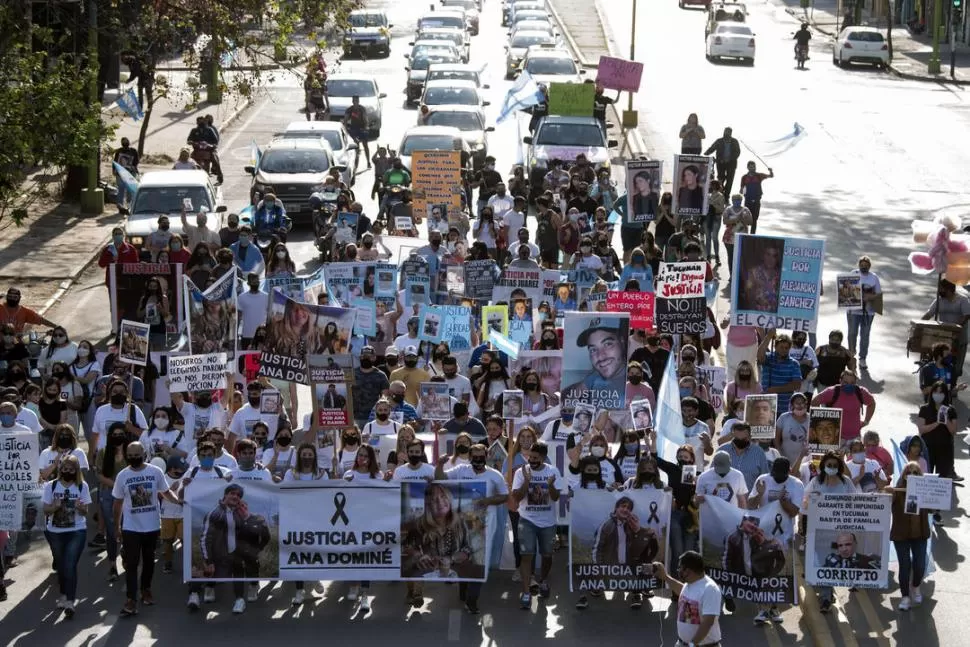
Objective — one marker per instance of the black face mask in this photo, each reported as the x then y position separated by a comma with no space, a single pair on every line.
634,379
478,462
382,416
414,460
462,449
350,440
64,442
536,465
460,410
366,363
779,476
531,386
254,402
398,398
135,461
58,375
390,361
117,441
68,476
118,399
283,441
13,303
204,401
742,443
368,244
410,363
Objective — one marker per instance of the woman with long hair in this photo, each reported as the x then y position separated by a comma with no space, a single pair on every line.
399,455
938,427
60,349
329,340
743,385
291,336
63,445
200,265
71,392
534,401
491,388
109,461
280,263
485,231
53,410
304,469
909,532
86,370
66,501
154,309
365,469
629,454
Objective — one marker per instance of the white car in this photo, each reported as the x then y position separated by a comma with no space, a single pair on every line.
551,65
516,49
458,93
731,40
345,150
161,193
860,45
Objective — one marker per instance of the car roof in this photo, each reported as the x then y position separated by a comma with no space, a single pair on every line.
439,30
450,131
174,178
298,143
440,44
862,28
560,119
732,24
543,51
450,13
351,77
532,32
367,12
313,126
454,67
458,84
458,107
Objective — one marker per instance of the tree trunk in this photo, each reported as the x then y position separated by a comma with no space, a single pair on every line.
143,132
890,6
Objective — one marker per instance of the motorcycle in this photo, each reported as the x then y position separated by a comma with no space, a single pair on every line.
394,196
801,55
267,239
202,154
323,204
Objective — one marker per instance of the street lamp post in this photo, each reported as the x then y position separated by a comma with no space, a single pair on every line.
630,117
933,66
92,197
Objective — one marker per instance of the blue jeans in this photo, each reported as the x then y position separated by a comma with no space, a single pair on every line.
712,227
860,325
680,540
106,501
912,563
67,548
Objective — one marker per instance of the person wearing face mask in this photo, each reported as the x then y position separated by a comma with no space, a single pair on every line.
683,534
416,468
433,253
833,359
244,419
223,459
305,468
252,305
53,411
865,472
177,253
523,253
12,347
118,409
64,445
350,446
154,309
463,444
281,456
850,397
459,386
162,439
859,319
791,429
804,354
780,373
463,423
746,457
171,513
85,370
136,514
696,432
280,263
66,502
698,601
117,251
599,449
832,479
60,349
410,375
380,423
723,481
229,234
15,315
487,181
628,456
157,241
200,415
369,384
585,259
636,388
367,252
199,233
246,255
909,533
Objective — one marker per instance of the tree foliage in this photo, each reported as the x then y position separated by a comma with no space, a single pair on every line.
47,121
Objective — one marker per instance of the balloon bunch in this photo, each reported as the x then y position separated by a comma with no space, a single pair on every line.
947,249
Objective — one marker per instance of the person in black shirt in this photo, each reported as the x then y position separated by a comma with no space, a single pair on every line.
653,358
600,101
355,119
486,181
206,134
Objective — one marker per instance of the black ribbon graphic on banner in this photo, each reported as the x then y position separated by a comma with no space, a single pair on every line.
778,530
340,502
653,518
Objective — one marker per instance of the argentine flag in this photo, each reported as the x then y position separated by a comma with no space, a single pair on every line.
669,422
523,94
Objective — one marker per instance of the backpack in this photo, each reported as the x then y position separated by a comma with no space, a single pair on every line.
219,471
838,392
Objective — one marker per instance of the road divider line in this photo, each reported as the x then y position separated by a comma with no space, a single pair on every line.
821,634
845,628
872,617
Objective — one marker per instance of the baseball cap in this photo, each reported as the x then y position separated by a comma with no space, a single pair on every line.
411,351
722,460
610,324
367,349
176,463
391,351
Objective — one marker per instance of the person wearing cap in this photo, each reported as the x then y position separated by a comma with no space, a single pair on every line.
411,375
605,342
402,411
409,338
392,360
486,181
171,513
369,384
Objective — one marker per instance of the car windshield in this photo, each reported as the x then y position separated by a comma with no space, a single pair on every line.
294,161
464,4
452,75
168,199
351,87
460,120
452,37
570,135
531,15
734,29
451,96
549,65
427,143
533,25
332,137
866,36
528,40
366,20
441,21
423,59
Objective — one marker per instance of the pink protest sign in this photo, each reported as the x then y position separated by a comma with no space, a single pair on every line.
638,304
619,74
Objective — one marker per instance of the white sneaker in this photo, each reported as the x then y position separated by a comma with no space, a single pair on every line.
917,597
61,601
774,615
353,593
252,592
517,574
298,598
209,595
904,604
193,603
239,606
762,618
364,603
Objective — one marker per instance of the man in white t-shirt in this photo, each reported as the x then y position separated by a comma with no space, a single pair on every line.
8,420
119,409
248,468
777,485
137,515
253,306
248,415
536,486
496,497
381,425
459,386
722,481
696,433
417,468
223,458
201,414
698,602
500,202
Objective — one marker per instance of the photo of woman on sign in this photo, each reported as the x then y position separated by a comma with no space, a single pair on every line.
690,195
436,543
759,264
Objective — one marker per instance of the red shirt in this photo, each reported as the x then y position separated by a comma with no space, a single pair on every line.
127,254
181,256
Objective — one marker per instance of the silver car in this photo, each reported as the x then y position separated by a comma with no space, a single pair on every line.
470,120
341,88
519,45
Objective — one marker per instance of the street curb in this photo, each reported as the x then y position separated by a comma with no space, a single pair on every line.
69,282
583,61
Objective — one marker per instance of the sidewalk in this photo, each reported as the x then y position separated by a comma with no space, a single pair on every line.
911,52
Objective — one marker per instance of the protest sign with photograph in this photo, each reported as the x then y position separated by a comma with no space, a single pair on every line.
495,318
824,429
930,492
332,404
212,316
680,306
749,552
497,454
848,540
571,99
848,290
127,284
583,416
547,363
615,537
479,279
619,74
365,322
197,372
437,217
781,279
19,454
417,280
295,330
512,403
436,180
346,229
515,279
691,180
345,282
521,328
386,283
430,324
454,279
595,358
434,401
133,336
639,305
760,411
642,414
643,183
688,474
444,534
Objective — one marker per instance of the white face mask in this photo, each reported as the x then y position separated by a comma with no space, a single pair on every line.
281,255
83,352
938,397
598,451
831,471
161,423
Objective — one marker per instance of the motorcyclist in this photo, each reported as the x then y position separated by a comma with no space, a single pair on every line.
801,38
269,217
204,136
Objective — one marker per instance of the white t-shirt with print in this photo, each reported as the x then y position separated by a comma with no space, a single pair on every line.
107,414
49,456
224,460
537,507
139,490
285,459
153,439
728,487
247,416
699,599
872,469
28,419
292,477
773,489
67,518
424,472
692,435
258,473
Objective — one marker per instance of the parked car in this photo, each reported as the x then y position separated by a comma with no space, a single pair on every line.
860,45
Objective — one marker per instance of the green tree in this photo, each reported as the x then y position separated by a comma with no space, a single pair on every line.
47,122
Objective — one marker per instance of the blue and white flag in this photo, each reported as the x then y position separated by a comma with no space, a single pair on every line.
128,102
899,462
254,153
523,94
669,421
504,344
126,178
